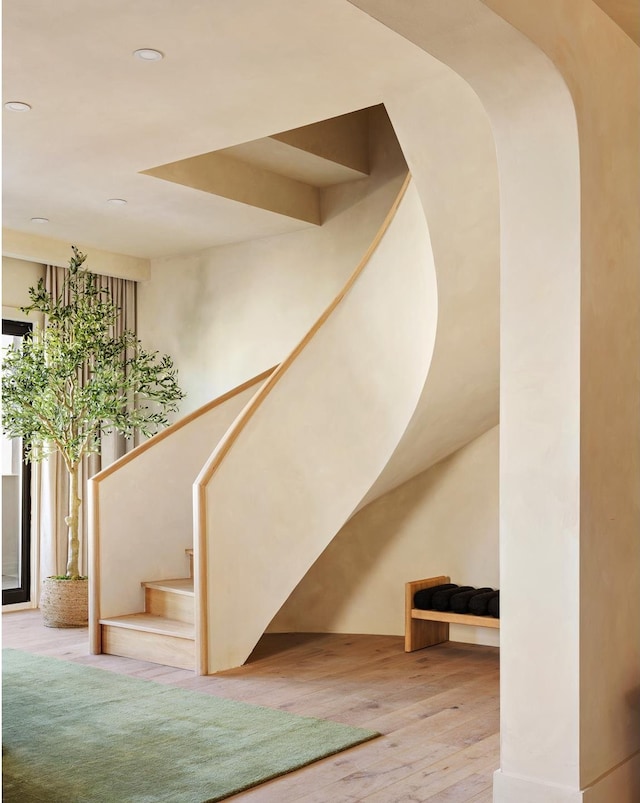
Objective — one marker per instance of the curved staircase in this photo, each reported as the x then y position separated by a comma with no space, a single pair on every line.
293,455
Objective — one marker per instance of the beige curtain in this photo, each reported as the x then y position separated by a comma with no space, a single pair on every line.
51,482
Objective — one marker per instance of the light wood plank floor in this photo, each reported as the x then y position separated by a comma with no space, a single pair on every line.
436,708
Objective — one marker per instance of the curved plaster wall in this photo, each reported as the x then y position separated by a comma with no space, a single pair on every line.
228,313
448,143
244,306
318,439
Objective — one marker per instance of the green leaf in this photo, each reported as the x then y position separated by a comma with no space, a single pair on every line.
75,378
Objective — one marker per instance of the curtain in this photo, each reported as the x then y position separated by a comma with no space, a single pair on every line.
51,485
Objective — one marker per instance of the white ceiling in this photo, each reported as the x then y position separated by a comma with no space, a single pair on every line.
234,71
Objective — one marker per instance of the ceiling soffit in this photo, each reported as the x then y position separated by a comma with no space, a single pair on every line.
282,173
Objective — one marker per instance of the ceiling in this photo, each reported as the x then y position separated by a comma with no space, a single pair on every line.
233,72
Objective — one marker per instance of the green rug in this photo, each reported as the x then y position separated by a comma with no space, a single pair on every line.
73,733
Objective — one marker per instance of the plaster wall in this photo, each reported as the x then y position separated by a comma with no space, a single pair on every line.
443,521
18,276
50,251
601,66
448,143
230,312
244,306
570,385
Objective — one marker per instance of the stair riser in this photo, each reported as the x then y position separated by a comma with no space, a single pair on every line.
153,647
173,606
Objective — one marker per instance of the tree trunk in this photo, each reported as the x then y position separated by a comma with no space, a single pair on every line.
72,523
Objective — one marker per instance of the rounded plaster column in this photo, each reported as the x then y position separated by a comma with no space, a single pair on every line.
565,126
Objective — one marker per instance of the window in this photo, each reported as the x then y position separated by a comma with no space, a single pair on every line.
16,500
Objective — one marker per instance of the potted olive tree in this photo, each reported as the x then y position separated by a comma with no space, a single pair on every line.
69,383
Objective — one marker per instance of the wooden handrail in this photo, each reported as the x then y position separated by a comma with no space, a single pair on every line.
187,419
225,444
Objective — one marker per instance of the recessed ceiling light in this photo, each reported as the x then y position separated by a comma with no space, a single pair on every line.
148,54
39,219
116,201
17,106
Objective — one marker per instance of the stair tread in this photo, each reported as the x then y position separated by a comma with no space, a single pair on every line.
151,623
180,585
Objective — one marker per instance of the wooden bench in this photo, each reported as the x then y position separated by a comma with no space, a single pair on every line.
426,628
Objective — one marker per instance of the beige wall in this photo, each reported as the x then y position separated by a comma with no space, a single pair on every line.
47,250
17,277
447,139
601,66
444,521
239,308
570,387
231,312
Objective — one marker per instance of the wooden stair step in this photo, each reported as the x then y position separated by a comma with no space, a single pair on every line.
147,637
151,623
172,599
181,585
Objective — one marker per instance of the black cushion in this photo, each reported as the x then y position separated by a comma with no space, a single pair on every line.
479,604
440,600
493,608
459,603
422,599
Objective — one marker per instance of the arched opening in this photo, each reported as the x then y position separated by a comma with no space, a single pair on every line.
565,522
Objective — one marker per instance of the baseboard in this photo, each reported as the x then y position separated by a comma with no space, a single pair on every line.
514,789
621,785
18,606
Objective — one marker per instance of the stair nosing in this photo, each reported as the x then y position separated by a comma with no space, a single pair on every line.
162,627
159,585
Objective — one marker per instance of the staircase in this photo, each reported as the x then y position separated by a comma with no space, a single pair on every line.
164,633
296,452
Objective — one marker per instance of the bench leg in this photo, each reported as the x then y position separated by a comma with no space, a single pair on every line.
420,633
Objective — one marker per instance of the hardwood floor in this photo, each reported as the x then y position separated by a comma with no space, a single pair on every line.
437,709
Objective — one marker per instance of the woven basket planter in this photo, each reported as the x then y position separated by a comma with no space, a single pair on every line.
65,603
